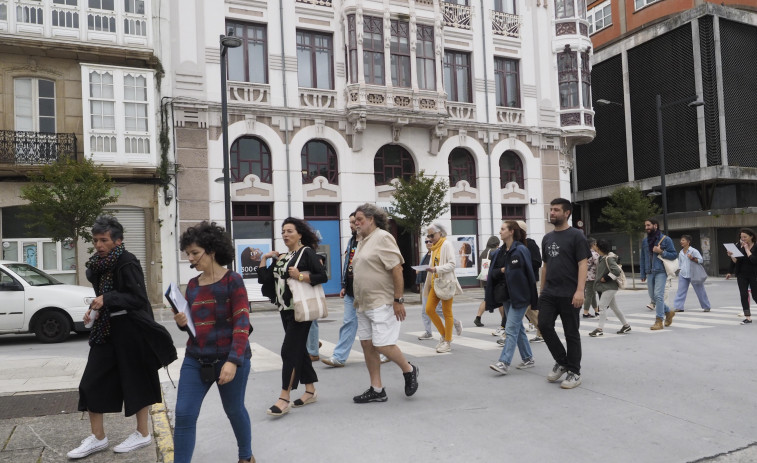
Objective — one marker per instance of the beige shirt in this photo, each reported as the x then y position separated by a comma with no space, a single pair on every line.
376,255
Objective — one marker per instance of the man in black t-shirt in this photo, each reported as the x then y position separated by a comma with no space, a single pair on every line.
565,253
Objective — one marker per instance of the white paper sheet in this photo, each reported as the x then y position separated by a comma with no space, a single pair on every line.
420,268
732,248
177,301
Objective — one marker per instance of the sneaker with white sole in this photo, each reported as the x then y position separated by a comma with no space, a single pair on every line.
624,329
501,341
88,446
444,347
571,381
596,333
425,336
499,332
526,364
557,372
500,367
135,441
530,328
333,362
383,358
536,338
458,327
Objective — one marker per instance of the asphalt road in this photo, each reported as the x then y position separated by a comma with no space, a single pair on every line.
683,394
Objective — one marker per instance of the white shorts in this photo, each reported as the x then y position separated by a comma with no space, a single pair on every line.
380,325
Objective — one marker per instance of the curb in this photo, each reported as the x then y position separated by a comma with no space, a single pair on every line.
161,428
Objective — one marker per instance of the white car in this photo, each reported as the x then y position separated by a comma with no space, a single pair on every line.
34,302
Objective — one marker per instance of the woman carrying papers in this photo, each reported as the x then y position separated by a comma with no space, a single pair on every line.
220,350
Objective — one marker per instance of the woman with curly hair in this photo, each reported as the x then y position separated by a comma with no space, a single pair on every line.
302,263
220,351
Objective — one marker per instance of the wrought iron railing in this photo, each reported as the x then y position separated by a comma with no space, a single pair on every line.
317,2
506,24
458,16
34,148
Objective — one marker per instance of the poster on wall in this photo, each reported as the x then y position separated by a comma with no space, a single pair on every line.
248,253
465,255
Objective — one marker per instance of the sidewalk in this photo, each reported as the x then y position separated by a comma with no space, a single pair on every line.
38,398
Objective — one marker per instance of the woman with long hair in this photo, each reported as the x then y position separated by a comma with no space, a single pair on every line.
606,285
745,269
301,242
511,266
688,257
442,268
219,352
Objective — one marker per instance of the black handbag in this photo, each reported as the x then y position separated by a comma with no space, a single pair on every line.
501,293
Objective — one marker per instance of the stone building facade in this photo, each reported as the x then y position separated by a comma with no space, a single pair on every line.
329,102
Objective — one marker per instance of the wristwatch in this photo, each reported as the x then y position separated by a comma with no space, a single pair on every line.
300,277
401,300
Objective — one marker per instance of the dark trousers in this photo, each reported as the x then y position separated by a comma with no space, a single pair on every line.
746,282
550,307
294,352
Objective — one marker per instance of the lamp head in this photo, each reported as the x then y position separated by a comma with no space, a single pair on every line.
230,41
697,102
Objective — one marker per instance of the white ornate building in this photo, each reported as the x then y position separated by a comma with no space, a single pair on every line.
330,101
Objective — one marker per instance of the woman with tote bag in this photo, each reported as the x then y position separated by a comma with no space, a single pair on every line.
690,272
441,284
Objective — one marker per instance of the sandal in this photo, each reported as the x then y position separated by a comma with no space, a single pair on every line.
276,411
301,403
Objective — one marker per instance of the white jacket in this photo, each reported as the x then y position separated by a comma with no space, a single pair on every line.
445,270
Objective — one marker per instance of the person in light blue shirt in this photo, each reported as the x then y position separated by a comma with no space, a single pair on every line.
687,258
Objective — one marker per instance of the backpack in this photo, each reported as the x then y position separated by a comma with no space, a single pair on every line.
621,280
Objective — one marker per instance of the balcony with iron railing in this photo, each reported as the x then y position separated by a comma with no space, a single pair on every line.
316,2
128,24
457,16
506,24
35,148
418,104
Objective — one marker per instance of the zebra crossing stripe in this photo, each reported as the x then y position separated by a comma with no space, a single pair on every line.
416,350
327,349
705,319
676,323
264,359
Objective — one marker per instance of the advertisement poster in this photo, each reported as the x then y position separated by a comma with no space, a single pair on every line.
466,255
248,254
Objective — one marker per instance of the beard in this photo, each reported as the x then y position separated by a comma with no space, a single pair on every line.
556,222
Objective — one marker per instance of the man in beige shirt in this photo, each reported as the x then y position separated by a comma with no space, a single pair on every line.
378,288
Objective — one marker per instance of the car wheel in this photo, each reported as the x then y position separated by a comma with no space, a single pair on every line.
52,327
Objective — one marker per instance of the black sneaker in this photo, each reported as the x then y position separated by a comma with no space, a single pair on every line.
746,321
624,329
371,396
411,381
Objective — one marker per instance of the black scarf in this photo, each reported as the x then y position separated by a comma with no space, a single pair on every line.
103,268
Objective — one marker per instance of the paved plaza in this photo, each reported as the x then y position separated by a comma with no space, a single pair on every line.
682,394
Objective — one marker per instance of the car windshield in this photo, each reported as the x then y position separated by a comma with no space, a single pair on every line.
33,275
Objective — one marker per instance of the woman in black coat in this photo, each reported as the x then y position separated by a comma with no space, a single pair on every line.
302,263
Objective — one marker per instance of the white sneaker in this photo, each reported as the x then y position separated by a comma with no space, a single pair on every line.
499,332
425,336
530,328
133,442
439,344
458,327
444,347
89,446
383,358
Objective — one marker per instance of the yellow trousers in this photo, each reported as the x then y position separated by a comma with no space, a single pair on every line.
445,329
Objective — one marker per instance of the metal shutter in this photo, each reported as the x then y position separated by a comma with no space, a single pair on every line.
133,220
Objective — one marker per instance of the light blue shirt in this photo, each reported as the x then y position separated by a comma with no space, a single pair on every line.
684,263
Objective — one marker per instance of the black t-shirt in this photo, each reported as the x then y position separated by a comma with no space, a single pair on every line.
562,251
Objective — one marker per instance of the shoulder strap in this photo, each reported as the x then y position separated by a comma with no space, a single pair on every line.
661,240
302,251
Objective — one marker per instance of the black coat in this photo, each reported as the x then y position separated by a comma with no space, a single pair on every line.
129,294
310,262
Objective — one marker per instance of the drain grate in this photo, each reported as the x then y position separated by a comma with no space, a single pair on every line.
28,405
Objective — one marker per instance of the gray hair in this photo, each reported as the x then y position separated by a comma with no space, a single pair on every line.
378,215
438,227
108,224
591,241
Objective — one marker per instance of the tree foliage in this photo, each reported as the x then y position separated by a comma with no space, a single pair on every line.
419,201
626,212
66,198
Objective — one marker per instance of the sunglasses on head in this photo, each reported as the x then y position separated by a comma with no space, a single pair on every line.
431,235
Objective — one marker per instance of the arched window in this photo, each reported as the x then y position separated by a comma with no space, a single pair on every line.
319,158
392,161
250,155
510,169
461,167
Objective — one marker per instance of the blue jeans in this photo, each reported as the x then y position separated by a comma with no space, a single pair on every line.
348,330
656,288
683,288
312,342
516,334
191,393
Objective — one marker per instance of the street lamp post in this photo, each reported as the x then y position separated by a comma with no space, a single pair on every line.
226,41
692,102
